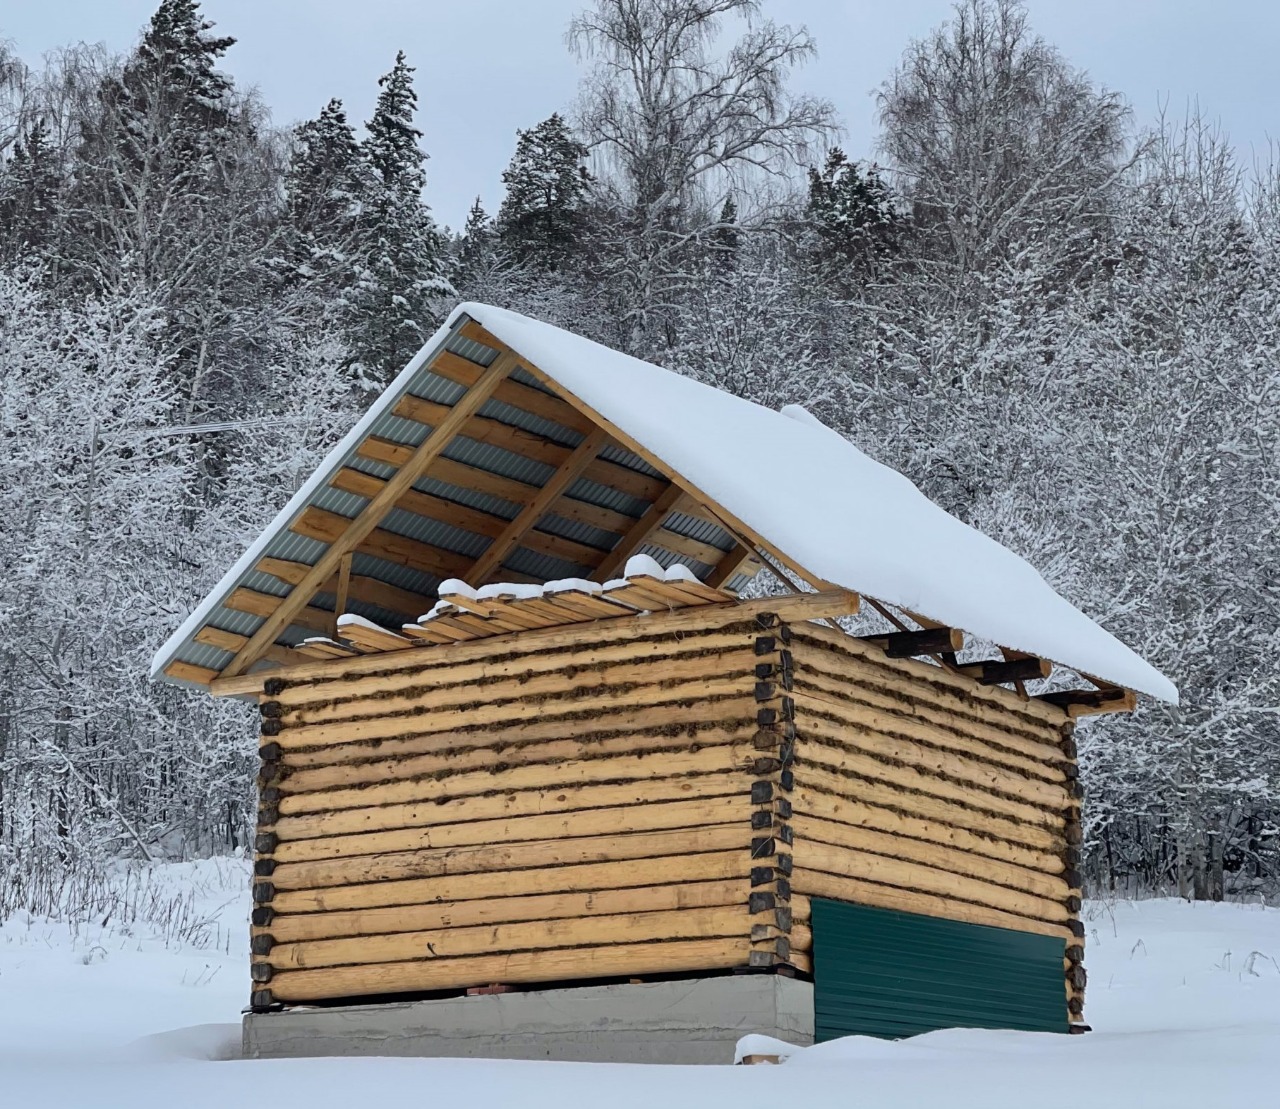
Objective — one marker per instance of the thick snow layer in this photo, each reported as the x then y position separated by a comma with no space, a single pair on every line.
1184,1000
826,505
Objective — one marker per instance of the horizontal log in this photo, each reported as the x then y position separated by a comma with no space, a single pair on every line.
507,804
657,815
841,757
613,961
295,927
816,883
861,735
895,847
534,935
457,759
791,608
833,779
690,718
914,877
491,698
486,858
856,812
434,674
890,711
711,866
1031,714
885,689
657,765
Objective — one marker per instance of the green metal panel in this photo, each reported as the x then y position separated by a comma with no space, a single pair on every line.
877,972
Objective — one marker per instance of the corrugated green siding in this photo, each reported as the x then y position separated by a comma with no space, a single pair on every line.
882,973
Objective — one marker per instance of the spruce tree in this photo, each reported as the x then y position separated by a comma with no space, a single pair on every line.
323,187
401,280
851,211
541,218
476,251
29,188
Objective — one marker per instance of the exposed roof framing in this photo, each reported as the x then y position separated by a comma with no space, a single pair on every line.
500,453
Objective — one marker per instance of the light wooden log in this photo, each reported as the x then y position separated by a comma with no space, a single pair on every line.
570,681
1032,715
894,847
615,960
889,795
857,734
792,608
712,866
913,877
819,884
885,710
899,685
690,719
708,760
901,826
453,761
371,515
841,758
513,804
575,702
292,928
607,650
535,935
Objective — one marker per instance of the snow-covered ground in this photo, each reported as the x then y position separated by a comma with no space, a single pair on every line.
1185,1000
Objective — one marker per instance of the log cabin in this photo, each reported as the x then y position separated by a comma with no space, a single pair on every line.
578,678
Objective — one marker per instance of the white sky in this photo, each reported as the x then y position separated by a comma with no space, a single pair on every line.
487,67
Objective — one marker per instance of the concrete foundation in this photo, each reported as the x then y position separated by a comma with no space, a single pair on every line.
692,1021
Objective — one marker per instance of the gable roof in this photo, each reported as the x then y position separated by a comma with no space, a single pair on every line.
781,479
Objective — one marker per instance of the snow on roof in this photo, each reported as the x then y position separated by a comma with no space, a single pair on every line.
798,484
811,493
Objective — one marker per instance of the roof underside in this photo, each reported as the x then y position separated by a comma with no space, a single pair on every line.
579,457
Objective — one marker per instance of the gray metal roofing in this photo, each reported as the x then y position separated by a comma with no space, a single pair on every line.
289,546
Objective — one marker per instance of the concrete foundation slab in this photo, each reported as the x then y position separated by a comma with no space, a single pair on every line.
692,1021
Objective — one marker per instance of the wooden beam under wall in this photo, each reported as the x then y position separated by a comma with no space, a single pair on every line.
364,524
639,532
573,466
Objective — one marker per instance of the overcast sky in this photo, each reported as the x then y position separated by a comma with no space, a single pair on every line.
487,67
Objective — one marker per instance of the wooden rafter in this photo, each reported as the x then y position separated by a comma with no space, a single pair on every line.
745,534
571,469
364,524
638,533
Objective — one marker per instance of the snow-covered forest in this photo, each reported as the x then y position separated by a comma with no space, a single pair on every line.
1063,325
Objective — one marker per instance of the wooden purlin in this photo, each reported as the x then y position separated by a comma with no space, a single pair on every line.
475,331
365,524
636,535
559,482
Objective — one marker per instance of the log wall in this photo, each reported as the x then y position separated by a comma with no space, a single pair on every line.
641,797
561,807
915,789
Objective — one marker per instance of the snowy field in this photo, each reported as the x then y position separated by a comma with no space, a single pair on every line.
1185,1000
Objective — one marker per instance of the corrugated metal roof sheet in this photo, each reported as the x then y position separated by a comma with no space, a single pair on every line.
289,546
